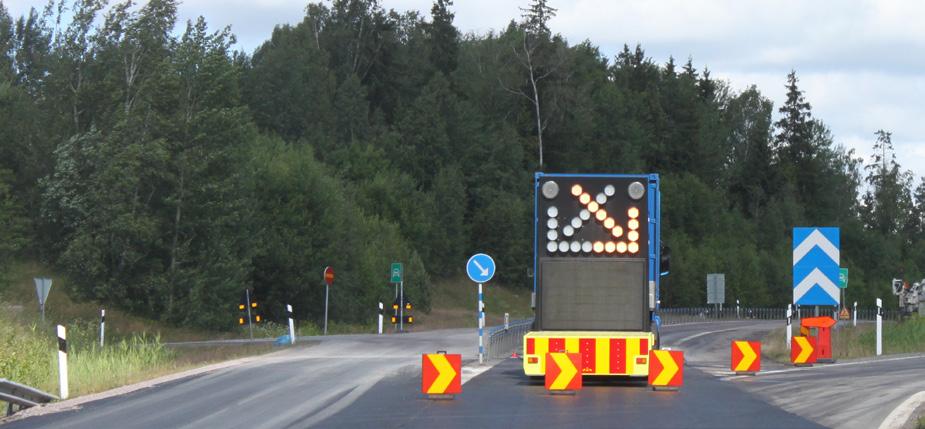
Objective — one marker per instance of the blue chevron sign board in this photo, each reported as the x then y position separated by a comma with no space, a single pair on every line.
815,266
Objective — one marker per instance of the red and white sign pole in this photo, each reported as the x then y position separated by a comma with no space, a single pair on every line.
328,279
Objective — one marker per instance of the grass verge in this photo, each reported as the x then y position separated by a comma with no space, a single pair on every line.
856,342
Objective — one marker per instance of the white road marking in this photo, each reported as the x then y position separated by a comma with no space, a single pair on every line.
900,415
686,339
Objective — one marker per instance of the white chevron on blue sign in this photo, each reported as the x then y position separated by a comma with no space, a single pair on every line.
816,257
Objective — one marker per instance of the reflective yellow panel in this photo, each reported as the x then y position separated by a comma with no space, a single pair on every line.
633,247
576,190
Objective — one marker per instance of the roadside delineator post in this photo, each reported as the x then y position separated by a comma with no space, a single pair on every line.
62,361
879,327
102,326
380,318
789,329
291,324
854,315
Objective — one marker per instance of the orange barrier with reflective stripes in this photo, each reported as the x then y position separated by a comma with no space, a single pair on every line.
562,373
601,353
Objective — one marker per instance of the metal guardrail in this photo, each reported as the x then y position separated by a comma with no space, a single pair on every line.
503,341
674,316
22,396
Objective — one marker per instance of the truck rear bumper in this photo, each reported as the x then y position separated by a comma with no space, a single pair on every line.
602,352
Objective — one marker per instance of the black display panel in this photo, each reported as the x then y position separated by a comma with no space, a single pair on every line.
594,294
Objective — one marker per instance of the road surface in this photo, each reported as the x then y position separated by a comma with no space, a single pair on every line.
364,381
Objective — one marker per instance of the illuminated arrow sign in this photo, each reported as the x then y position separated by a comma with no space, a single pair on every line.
802,350
816,266
441,374
562,371
666,369
746,356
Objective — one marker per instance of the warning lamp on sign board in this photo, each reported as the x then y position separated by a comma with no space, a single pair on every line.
408,305
409,320
254,304
257,318
593,207
584,198
633,247
394,319
621,247
633,235
240,320
598,247
241,307
577,190
633,224
633,212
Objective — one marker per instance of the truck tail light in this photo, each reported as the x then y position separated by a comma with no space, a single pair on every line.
533,360
641,360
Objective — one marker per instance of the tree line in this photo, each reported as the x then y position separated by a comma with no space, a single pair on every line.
163,171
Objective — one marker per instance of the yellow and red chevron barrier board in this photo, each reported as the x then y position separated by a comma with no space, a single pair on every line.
562,371
803,350
746,356
441,374
599,355
666,368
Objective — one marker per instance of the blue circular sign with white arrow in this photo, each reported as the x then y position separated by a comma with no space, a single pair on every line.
480,268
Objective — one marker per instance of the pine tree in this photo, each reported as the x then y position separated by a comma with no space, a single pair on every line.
444,37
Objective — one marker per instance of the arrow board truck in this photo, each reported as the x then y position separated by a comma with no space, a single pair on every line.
596,265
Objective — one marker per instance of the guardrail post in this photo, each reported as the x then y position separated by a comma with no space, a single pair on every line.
62,360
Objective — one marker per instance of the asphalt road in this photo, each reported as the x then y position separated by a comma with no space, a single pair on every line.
364,381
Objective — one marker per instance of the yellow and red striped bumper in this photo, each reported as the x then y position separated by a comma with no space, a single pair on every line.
602,353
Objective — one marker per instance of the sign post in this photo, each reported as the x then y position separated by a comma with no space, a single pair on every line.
42,287
481,268
396,275
716,290
247,300
328,280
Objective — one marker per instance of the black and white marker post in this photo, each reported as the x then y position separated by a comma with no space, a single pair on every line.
879,327
62,360
854,315
291,324
102,326
380,318
789,316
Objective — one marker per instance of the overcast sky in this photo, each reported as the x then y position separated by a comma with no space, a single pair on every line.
860,63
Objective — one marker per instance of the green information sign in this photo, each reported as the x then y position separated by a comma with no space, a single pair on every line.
396,272
843,278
